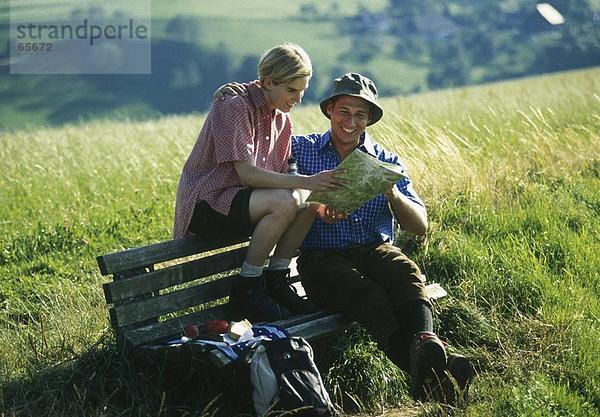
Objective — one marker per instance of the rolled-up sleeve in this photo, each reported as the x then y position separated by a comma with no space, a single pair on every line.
405,186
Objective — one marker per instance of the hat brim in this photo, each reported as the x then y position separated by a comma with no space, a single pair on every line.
376,111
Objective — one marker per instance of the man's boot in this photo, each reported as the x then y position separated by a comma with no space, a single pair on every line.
428,370
285,294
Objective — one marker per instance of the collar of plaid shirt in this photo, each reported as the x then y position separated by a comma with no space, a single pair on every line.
257,96
373,222
365,145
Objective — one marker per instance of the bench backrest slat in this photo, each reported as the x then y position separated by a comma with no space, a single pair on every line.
149,308
168,328
168,303
159,252
135,286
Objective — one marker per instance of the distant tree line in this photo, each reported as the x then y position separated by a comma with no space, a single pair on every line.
463,42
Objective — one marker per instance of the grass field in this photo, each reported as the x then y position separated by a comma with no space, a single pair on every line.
510,173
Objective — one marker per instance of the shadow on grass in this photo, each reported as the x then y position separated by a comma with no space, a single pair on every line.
103,381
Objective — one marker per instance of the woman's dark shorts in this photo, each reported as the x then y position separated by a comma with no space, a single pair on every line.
237,223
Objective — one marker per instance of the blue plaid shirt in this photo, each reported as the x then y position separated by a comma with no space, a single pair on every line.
373,222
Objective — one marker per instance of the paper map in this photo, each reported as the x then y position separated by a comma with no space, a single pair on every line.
367,178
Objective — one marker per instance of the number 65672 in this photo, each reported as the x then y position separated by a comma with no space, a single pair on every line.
34,46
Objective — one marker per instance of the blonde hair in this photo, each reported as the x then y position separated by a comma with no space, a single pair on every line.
284,63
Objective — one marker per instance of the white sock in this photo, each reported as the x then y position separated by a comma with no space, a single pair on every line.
277,264
251,270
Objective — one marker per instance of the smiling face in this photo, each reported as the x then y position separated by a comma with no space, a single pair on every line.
284,96
349,117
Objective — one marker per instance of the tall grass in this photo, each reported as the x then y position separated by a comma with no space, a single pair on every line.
511,176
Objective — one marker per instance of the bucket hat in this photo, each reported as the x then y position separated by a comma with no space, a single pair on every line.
356,85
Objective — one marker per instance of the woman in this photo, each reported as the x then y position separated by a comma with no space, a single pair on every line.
235,182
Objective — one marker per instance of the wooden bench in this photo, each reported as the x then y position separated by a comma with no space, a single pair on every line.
157,289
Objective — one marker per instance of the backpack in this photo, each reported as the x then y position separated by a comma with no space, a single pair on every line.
285,378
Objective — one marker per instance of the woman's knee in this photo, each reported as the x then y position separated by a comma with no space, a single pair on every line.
284,203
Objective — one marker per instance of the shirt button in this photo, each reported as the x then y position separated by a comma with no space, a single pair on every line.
264,159
266,137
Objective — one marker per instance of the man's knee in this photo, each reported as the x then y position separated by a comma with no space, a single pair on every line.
395,260
412,269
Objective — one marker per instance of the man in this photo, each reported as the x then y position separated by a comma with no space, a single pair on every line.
235,182
348,262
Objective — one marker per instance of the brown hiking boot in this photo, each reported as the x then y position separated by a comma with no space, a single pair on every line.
285,294
428,370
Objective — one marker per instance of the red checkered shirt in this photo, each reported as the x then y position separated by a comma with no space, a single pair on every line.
236,129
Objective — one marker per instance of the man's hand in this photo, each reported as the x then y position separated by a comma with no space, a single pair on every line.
391,194
328,214
231,89
324,180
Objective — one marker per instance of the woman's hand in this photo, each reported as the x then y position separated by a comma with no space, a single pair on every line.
324,180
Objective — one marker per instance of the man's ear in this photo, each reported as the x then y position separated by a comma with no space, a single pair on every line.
329,108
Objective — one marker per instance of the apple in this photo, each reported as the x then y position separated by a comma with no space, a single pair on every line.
191,330
216,326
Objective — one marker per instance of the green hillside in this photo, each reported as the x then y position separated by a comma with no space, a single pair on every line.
406,46
510,173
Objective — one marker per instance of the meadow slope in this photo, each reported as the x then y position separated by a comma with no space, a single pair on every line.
510,173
